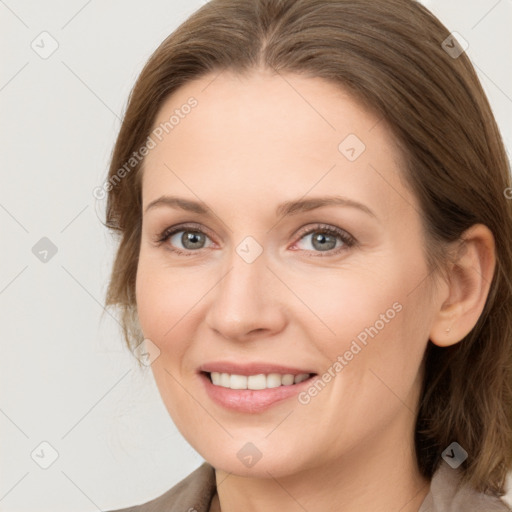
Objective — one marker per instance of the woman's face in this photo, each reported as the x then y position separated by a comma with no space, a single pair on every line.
297,250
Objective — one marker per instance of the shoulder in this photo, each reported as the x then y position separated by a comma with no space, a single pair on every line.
448,495
192,494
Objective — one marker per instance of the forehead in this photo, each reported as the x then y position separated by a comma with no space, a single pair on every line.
277,136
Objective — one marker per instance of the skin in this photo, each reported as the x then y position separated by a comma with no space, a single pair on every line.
252,143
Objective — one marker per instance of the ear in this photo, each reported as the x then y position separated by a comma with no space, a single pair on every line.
469,277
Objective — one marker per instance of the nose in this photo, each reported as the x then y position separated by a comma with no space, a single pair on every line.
247,303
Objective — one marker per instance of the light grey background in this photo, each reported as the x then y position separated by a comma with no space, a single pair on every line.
65,377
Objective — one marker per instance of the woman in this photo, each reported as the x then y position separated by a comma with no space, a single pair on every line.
315,258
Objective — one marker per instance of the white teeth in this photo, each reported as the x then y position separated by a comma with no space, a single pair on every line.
288,379
256,382
273,380
224,379
238,381
300,377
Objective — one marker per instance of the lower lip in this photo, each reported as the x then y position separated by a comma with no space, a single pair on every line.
250,400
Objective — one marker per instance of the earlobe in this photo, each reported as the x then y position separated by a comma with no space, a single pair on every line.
469,277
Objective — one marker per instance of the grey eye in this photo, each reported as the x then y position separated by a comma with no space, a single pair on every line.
321,241
189,240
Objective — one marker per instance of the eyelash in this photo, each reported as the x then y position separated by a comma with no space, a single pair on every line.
348,240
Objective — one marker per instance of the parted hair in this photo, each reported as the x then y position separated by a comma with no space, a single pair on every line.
400,62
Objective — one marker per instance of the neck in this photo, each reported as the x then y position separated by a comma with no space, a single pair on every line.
381,477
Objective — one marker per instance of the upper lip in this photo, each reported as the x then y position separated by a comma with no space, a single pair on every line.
250,368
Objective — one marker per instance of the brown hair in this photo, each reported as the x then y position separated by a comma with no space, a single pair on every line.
390,55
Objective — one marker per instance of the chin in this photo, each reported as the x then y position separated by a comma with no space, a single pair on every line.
260,459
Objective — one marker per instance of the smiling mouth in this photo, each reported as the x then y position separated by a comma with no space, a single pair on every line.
256,382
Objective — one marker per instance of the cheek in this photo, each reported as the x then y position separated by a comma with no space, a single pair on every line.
161,301
148,294
392,336
171,306
166,314
376,318
345,305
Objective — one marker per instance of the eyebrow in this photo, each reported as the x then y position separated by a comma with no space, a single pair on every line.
284,209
